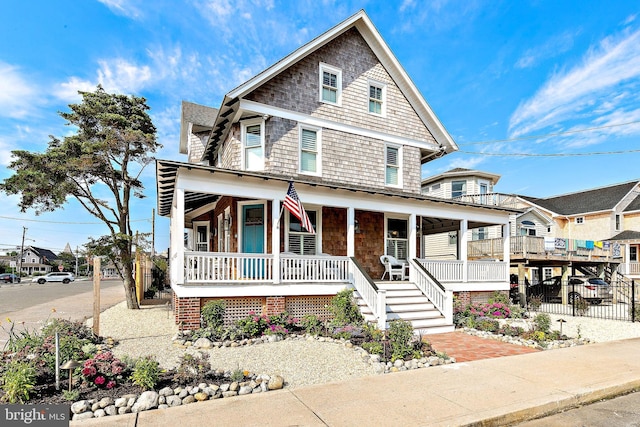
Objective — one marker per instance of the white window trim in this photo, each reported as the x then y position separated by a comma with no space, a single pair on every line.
400,173
383,86
243,133
318,132
318,228
338,72
197,224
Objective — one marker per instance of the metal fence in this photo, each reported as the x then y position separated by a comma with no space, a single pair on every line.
565,299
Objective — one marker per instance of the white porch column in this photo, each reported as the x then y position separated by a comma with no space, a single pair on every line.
351,234
275,239
463,243
177,238
412,240
627,258
506,247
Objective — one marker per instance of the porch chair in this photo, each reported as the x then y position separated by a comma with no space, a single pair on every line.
392,267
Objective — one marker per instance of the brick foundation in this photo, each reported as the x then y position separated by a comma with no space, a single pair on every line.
275,305
477,297
187,313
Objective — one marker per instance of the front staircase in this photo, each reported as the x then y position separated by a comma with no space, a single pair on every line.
405,301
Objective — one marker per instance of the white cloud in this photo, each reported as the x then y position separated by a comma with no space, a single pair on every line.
613,66
17,95
119,76
123,7
551,48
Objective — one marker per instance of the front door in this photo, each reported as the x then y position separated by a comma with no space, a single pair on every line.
253,239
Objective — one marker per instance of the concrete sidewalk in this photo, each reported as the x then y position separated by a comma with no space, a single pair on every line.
501,391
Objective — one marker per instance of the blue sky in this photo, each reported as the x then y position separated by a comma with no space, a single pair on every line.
516,83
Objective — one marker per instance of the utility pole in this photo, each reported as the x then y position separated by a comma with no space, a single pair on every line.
153,233
24,231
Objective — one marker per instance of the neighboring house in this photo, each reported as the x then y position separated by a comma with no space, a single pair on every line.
340,119
37,260
455,184
594,231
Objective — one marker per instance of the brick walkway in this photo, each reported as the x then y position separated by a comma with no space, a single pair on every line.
466,348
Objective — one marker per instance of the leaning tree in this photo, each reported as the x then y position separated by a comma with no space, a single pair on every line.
113,141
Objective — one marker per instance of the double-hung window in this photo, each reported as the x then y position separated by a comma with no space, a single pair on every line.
253,145
377,92
300,241
330,84
393,176
310,140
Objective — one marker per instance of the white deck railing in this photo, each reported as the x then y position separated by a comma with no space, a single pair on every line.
452,271
629,268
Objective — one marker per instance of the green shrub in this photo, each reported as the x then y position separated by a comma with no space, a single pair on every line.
146,373
581,305
344,309
400,337
237,375
192,367
71,395
213,313
311,324
535,301
373,347
634,312
18,380
499,297
542,322
486,324
253,325
511,331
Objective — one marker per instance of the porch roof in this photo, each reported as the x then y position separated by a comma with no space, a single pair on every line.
167,171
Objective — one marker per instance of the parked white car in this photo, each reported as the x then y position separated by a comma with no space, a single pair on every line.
64,277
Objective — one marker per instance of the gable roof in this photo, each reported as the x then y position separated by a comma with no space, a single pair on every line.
627,235
200,117
45,253
370,34
595,200
460,172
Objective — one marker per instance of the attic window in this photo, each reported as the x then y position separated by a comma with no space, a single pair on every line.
377,95
580,220
330,84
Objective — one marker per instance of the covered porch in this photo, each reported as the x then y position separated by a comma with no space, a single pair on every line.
230,237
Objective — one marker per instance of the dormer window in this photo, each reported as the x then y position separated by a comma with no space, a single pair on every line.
330,84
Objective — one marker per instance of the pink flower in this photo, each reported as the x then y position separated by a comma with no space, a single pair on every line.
99,380
111,384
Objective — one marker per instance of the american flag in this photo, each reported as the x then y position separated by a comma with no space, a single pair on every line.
294,205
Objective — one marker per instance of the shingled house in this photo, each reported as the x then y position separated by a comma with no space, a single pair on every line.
340,119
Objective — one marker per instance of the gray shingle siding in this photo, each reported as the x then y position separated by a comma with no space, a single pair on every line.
346,157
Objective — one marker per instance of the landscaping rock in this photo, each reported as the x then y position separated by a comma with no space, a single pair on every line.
147,400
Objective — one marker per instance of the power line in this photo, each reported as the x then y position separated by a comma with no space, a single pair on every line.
598,153
549,135
65,222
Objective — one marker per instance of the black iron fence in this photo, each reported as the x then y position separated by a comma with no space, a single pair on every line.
617,301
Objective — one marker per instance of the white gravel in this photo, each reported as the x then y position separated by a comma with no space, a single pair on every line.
148,331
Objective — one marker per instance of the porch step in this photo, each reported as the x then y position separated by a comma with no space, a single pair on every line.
405,301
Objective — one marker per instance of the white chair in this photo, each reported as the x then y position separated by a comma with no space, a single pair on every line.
392,267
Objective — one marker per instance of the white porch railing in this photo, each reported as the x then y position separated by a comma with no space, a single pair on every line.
533,245
440,297
375,298
487,271
209,267
629,268
319,268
